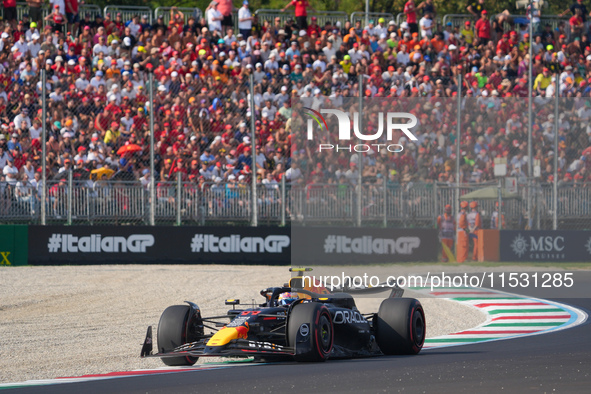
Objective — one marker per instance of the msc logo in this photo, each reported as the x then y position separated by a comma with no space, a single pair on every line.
547,244
538,246
345,124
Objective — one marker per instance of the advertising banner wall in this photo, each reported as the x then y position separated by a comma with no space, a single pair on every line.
325,245
553,246
158,245
13,245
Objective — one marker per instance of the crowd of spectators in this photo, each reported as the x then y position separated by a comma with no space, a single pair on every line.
98,93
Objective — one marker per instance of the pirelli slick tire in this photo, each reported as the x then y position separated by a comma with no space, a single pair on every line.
400,326
310,330
172,333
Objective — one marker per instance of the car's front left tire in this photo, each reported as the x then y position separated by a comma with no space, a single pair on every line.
310,325
172,333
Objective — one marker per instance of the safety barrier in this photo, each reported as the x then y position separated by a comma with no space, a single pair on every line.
91,10
457,20
323,16
327,202
128,12
122,202
391,204
553,20
23,8
371,15
265,14
188,12
401,17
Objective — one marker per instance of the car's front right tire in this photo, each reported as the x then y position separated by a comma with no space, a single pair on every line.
400,326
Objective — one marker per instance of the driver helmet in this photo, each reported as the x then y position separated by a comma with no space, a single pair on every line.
287,298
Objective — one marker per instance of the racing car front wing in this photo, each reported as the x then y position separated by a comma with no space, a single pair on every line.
234,348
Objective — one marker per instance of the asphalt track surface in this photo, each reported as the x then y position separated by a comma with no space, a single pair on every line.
553,362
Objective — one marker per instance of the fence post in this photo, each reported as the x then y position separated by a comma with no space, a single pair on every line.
304,200
530,159
458,136
360,155
283,201
43,147
254,219
435,203
152,166
385,206
179,187
555,183
70,191
202,207
500,202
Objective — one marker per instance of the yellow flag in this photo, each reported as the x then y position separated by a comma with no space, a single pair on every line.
450,256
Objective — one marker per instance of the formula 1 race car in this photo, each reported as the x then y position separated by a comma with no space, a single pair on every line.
297,322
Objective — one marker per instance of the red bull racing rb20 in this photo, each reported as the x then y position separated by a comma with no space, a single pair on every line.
295,322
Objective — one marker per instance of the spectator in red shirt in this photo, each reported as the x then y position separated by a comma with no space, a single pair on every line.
503,46
521,90
10,11
411,16
483,28
576,23
313,28
301,12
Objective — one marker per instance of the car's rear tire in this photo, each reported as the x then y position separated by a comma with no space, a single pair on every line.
400,326
320,329
172,333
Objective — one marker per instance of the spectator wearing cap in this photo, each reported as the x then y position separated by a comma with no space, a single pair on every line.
467,33
483,28
313,29
57,18
10,172
542,81
100,47
214,17
282,97
292,50
112,135
22,119
13,144
244,21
